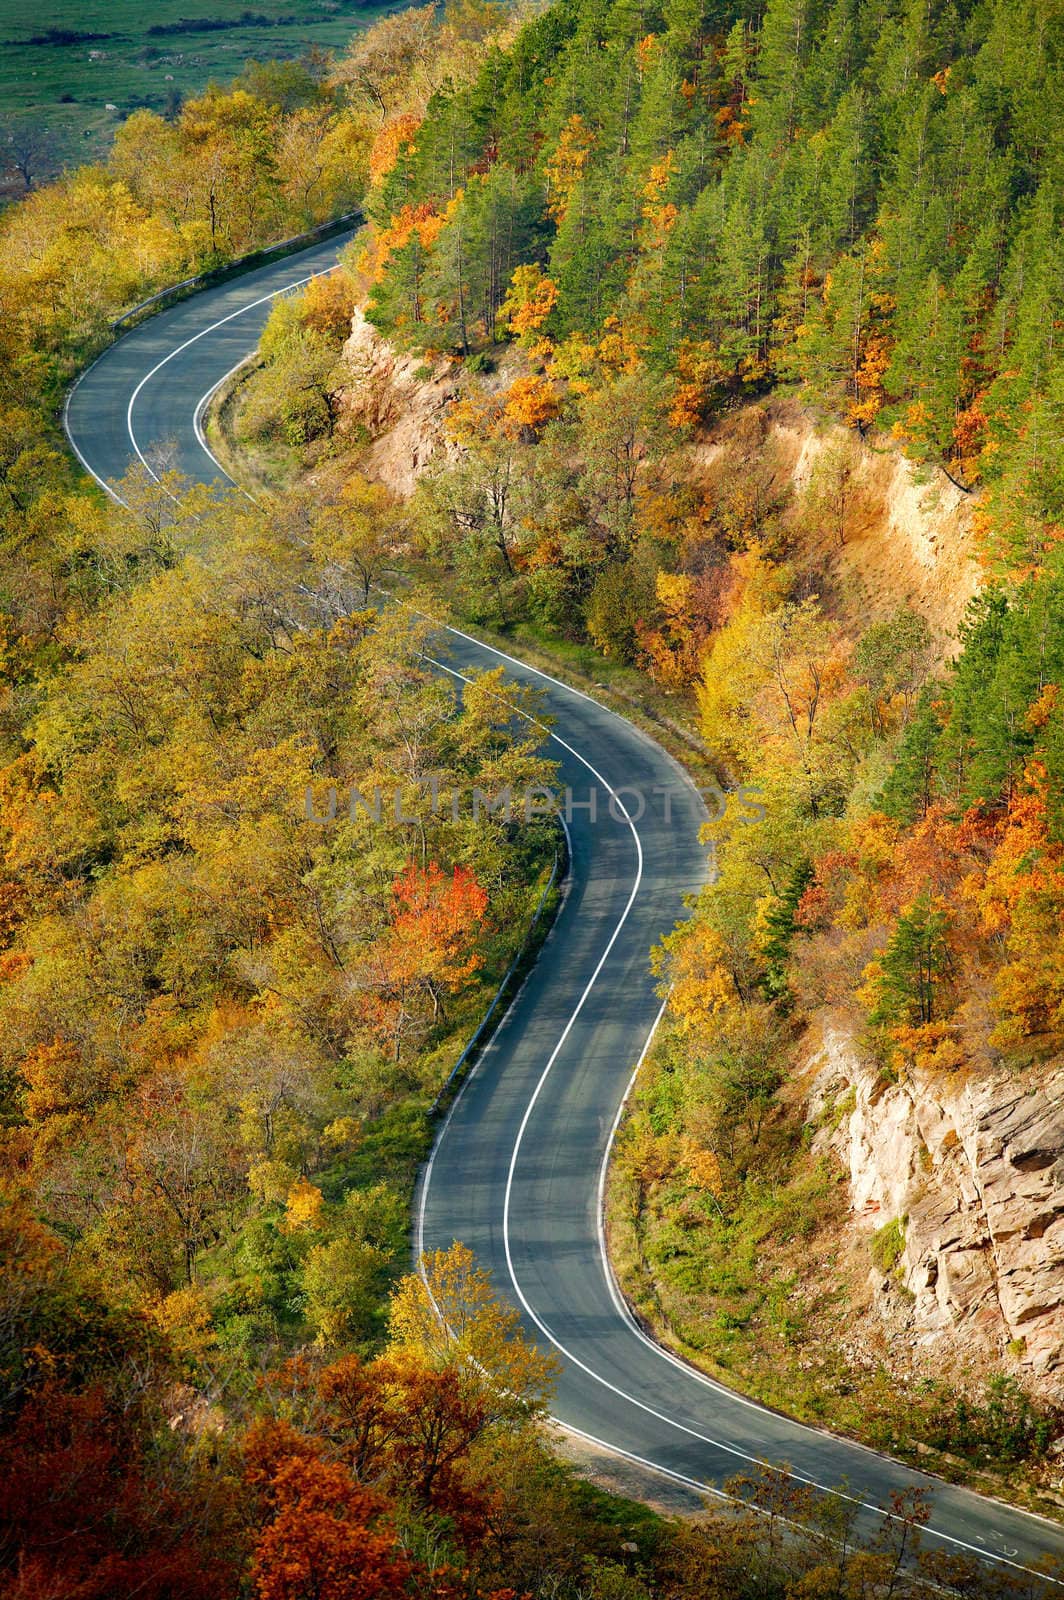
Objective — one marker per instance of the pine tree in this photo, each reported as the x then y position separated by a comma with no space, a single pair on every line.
916,960
913,782
779,929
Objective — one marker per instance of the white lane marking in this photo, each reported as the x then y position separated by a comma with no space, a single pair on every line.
653,1466
511,969
620,1304
664,1354
467,1080
628,1320
197,422
547,1332
625,1314
525,667
263,299
623,1310
91,470
129,333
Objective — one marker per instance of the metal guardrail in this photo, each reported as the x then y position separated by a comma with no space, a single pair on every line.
230,269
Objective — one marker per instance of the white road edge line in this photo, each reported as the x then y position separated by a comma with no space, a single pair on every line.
285,288
426,1177
652,1466
197,420
629,1321
72,442
983,1553
621,1305
107,488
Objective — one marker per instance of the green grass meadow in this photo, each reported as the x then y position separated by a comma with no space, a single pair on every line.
54,74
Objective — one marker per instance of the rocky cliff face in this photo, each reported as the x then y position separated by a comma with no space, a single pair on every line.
972,1170
399,402
905,532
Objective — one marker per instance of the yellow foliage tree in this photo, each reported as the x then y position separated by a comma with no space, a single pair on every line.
566,166
672,651
303,1206
695,959
326,305
529,301
729,672
659,213
448,1316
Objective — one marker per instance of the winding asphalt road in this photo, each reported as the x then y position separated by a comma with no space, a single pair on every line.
516,1173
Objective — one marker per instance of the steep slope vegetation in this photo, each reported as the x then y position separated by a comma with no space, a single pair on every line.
688,219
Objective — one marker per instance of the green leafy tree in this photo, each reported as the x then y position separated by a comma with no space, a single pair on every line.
914,965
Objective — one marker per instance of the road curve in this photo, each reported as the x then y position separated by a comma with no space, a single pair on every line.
516,1171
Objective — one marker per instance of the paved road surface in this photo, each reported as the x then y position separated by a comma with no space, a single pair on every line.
516,1171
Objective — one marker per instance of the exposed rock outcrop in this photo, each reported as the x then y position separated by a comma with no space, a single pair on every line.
974,1164
401,404
906,532
973,1169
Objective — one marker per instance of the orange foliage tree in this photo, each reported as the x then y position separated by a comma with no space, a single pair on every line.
531,402
325,1537
435,922
429,948
1019,903
391,139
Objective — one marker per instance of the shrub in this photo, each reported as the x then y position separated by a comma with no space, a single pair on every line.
888,1244
623,596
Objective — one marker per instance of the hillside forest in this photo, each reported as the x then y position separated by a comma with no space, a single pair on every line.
222,1028
628,227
